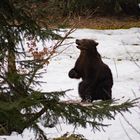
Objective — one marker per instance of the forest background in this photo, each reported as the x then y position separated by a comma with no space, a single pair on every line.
21,105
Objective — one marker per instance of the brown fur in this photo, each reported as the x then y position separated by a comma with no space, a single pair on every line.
96,76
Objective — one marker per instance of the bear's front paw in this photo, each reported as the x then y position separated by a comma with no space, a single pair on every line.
73,74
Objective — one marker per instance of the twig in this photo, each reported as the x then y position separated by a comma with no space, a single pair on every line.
120,59
59,43
61,51
133,93
130,124
115,67
91,13
132,57
125,131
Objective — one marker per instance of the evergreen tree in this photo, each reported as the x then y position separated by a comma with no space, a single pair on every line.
21,106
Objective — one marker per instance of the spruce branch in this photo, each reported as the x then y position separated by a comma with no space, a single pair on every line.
52,110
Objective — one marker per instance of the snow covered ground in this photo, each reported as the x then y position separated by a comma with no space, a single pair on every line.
120,49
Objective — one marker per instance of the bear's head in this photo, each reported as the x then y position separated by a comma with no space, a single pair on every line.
86,44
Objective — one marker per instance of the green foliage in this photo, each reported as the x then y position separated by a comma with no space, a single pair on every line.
47,107
19,20
23,113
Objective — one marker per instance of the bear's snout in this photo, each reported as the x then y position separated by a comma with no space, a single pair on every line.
77,41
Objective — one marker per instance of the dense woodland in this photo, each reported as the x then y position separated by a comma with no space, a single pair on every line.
93,7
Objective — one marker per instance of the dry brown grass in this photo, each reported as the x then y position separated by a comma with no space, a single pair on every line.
99,22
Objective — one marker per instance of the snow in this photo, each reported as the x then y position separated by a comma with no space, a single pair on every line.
120,49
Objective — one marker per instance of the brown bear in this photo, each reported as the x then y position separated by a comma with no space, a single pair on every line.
97,80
